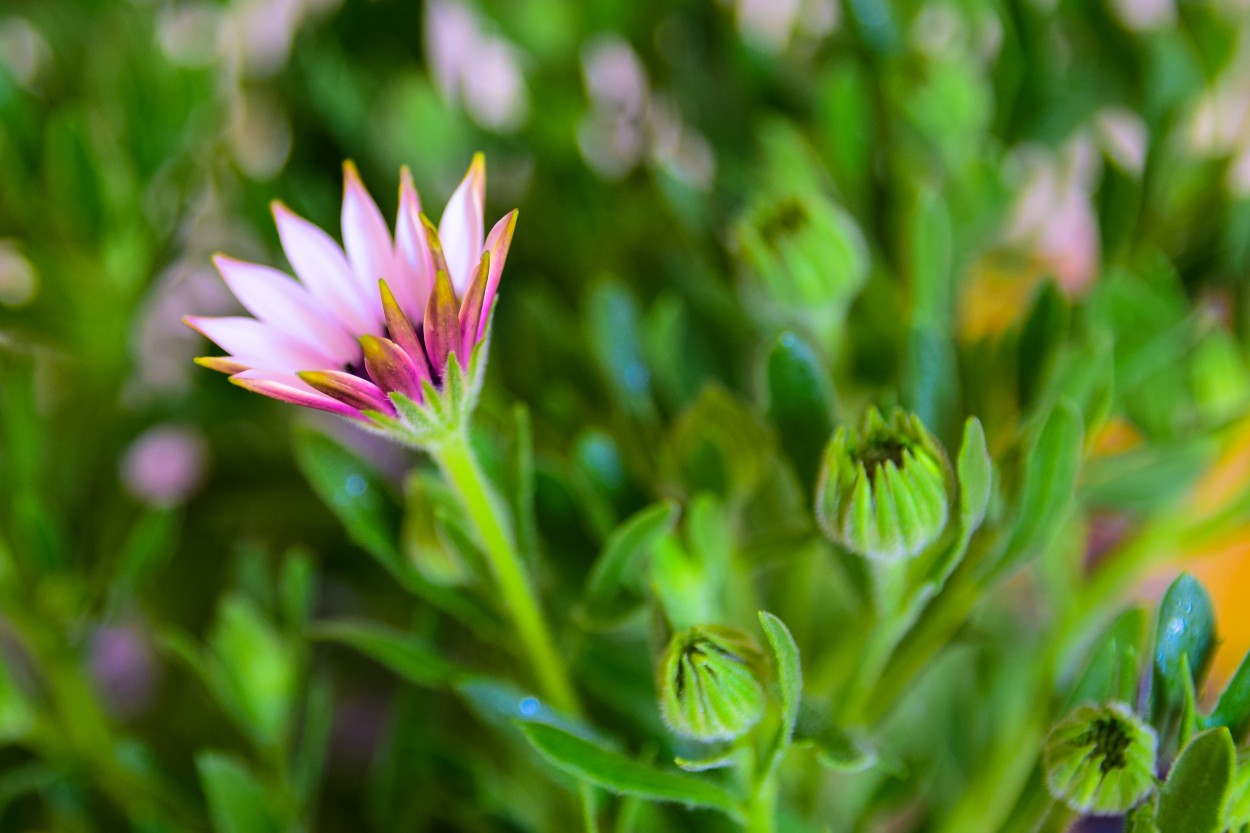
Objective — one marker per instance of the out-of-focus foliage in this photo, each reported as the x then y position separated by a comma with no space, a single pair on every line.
742,224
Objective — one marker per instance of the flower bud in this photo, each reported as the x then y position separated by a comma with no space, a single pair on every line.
883,491
1100,760
709,683
804,251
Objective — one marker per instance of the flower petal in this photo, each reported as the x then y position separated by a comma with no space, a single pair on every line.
279,301
390,367
461,226
348,389
402,333
365,235
498,242
222,364
471,308
442,324
256,344
258,382
322,267
413,274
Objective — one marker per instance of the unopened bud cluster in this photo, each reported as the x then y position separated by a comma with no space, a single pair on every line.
709,683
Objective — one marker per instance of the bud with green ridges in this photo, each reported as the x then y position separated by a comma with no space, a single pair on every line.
884,488
804,250
1100,760
709,683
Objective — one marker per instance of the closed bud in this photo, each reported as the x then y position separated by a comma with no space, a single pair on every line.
884,488
709,683
1100,760
803,250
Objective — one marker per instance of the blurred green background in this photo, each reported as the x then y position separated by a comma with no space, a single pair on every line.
962,173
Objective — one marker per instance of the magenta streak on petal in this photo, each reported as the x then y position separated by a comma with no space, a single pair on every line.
281,302
401,332
295,396
349,389
461,226
365,235
497,243
471,310
414,267
320,264
257,344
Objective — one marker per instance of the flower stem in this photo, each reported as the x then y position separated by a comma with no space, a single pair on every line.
456,459
762,809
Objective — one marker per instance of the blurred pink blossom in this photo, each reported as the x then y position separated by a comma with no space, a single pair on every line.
772,25
474,68
1144,15
165,465
1054,216
122,665
1122,135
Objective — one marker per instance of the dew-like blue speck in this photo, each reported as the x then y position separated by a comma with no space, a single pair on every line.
355,485
528,707
636,376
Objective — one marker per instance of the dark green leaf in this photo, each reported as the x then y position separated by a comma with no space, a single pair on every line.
355,494
618,774
800,404
1233,708
1186,628
1192,800
404,653
620,569
976,476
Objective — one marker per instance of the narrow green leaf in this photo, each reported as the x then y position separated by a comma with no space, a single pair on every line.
1233,708
621,566
236,799
932,377
355,494
790,676
1112,670
1186,628
976,476
1141,819
298,584
1192,800
616,773
800,404
1051,467
404,653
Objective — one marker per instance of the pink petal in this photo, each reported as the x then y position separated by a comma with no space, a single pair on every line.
285,305
323,268
498,242
442,325
461,226
391,367
414,268
349,389
259,382
365,235
253,343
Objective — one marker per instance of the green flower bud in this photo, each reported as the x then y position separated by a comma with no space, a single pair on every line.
803,250
709,683
883,491
1100,760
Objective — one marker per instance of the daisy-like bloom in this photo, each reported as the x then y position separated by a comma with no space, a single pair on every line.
375,329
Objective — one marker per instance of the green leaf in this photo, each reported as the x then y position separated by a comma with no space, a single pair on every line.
621,566
932,377
1192,800
149,544
1112,670
355,494
616,773
298,585
257,667
1141,819
790,677
236,799
1040,338
1186,628
1052,464
976,476
404,653
836,749
800,404
1233,708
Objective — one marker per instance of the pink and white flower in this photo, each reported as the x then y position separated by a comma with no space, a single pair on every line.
379,317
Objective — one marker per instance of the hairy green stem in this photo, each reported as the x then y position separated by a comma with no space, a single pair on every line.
762,808
456,459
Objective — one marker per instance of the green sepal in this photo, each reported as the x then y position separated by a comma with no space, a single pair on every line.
1192,799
